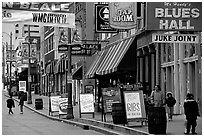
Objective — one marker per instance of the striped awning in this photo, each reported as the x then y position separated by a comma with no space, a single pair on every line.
109,58
57,67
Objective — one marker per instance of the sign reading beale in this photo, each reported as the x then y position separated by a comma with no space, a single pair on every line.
174,16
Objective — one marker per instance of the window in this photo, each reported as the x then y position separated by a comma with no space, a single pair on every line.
139,9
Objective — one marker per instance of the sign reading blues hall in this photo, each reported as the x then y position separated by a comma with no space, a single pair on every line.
102,19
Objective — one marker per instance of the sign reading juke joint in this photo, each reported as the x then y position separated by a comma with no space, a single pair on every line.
185,16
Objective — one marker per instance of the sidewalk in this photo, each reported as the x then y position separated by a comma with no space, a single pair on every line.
175,127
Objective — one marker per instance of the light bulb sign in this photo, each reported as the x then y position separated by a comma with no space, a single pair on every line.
183,16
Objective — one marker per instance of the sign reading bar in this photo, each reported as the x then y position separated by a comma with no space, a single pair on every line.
102,19
175,38
22,86
186,16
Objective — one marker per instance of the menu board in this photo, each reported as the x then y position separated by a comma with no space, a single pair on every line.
134,105
54,101
87,103
110,95
63,105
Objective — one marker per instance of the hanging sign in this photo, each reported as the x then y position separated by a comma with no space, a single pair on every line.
102,19
123,15
37,13
175,38
134,105
185,16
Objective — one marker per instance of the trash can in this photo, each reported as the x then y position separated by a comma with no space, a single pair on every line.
118,113
38,103
157,122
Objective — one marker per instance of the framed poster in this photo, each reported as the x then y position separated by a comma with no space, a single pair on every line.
86,103
134,105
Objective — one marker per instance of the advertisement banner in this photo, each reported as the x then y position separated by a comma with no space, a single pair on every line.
183,16
87,103
22,86
63,104
123,15
54,100
134,105
46,14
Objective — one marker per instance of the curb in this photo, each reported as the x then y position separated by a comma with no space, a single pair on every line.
86,124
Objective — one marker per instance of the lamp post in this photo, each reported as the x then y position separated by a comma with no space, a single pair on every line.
10,36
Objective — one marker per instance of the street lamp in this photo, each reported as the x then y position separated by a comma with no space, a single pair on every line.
10,36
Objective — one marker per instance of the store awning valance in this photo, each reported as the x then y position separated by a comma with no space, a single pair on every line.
50,68
57,67
109,60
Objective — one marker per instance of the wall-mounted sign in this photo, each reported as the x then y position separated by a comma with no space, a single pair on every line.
186,16
134,105
102,19
22,86
123,15
175,38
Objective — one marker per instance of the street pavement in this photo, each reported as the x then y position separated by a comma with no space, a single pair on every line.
31,123
175,127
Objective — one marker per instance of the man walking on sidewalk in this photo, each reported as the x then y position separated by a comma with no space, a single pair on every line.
10,104
21,103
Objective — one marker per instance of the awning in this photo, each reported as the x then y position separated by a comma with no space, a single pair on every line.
77,73
110,58
48,69
57,67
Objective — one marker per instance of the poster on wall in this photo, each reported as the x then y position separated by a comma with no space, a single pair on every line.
134,105
54,100
110,95
87,103
63,104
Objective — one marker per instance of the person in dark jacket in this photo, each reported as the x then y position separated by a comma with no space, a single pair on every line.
191,111
21,103
170,102
10,104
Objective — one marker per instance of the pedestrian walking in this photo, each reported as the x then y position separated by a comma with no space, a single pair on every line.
10,104
170,102
157,97
21,103
191,111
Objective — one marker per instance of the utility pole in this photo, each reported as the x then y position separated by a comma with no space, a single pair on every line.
10,63
29,76
68,76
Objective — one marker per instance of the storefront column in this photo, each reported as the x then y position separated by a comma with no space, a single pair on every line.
168,79
182,76
157,64
176,79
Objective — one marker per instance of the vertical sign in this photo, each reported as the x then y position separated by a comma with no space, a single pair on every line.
54,103
185,16
63,104
123,15
86,103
